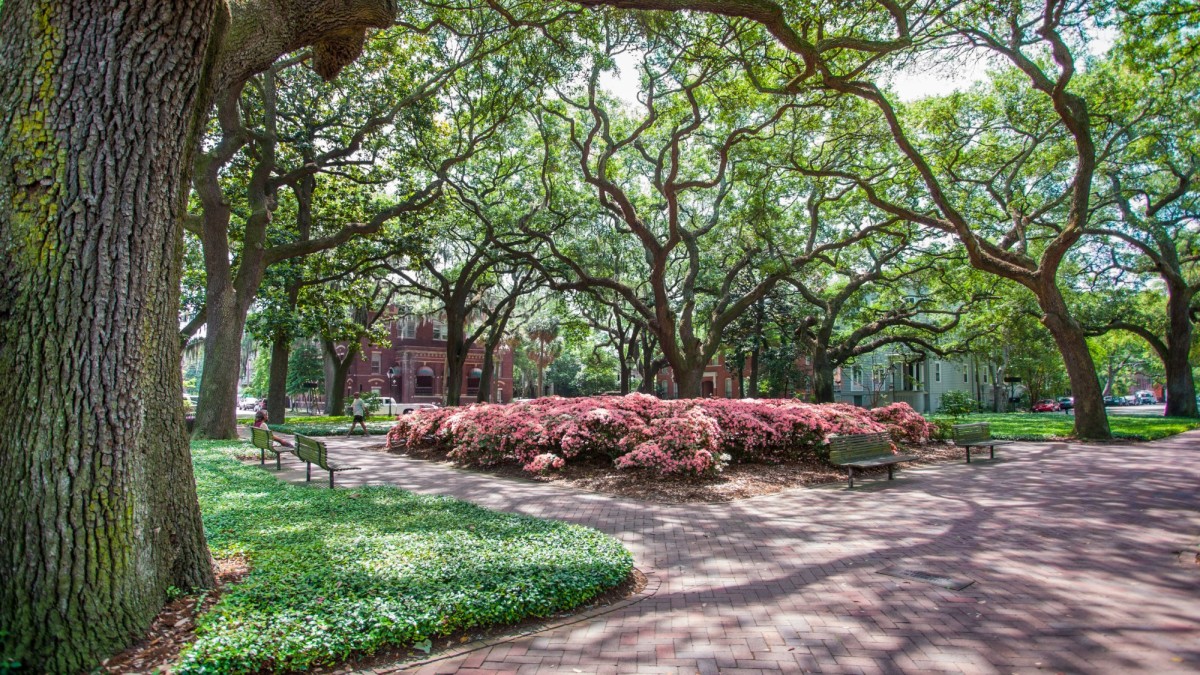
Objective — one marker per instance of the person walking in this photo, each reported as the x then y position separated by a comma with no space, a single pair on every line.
359,409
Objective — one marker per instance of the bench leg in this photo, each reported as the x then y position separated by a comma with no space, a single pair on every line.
279,461
993,449
890,472
330,480
307,472
850,473
968,454
262,457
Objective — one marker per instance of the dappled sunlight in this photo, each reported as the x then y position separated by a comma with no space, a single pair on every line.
1070,547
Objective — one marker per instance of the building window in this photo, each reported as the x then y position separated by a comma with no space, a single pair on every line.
376,363
408,329
425,381
965,376
473,379
439,330
856,377
378,391
729,387
937,372
985,375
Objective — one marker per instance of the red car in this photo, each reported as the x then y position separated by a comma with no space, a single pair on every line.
1047,405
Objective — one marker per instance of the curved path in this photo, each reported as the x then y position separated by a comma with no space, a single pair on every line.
1074,552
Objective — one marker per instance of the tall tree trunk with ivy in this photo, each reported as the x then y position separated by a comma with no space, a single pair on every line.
99,513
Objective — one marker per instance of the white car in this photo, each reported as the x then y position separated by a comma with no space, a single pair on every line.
390,406
247,403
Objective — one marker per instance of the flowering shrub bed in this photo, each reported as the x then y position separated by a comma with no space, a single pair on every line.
695,437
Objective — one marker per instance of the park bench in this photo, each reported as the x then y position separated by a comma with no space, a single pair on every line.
975,435
311,451
265,442
864,451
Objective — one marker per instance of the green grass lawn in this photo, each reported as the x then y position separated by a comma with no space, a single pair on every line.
1044,426
347,571
331,426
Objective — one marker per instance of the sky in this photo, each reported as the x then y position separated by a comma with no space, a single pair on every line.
920,80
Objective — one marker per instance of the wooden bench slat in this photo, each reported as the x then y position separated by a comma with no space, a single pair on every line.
263,440
975,435
313,451
864,451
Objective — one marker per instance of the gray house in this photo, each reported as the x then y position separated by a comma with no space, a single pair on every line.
879,378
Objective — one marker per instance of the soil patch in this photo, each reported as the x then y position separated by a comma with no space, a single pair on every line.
737,481
175,625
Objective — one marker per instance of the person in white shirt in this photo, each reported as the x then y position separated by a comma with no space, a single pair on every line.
359,408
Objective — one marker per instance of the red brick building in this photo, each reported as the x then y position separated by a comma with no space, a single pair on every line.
413,368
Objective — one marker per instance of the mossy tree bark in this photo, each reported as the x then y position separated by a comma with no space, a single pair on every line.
99,511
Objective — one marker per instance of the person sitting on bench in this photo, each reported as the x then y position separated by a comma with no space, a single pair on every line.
260,421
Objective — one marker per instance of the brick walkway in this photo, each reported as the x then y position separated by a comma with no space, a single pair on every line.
1073,550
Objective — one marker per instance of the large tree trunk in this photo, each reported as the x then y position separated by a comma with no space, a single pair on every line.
98,511
1091,419
456,357
1181,387
754,358
281,349
822,377
337,371
486,380
688,381
216,412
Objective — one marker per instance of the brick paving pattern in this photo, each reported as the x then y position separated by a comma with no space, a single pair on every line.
1074,551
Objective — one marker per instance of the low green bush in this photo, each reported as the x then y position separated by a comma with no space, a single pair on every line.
958,403
342,572
378,426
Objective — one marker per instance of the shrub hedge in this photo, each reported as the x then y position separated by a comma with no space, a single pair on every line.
338,572
697,436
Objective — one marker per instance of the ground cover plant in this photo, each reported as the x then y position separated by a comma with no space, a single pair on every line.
688,437
336,572
1048,426
331,425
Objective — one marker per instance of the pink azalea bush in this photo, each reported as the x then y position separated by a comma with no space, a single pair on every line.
905,424
695,437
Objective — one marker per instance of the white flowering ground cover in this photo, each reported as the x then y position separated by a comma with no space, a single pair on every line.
335,573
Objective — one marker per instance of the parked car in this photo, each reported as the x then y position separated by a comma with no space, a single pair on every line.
1131,400
1047,405
1146,398
247,403
406,408
1066,402
390,406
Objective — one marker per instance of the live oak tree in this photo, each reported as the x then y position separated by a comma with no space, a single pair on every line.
704,215
1153,189
290,132
100,117
344,315
893,289
1039,41
99,515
